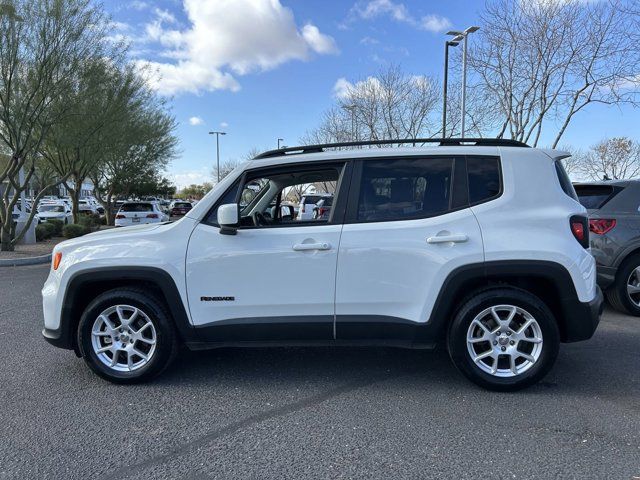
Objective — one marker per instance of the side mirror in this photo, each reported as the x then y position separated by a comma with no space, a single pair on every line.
228,218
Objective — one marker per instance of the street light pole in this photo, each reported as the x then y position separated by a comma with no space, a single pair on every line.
463,36
352,109
217,134
447,44
280,140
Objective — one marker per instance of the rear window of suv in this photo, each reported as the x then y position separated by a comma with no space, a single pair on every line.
593,197
312,199
136,207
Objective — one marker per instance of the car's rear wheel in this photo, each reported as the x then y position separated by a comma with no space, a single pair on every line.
127,336
624,294
504,339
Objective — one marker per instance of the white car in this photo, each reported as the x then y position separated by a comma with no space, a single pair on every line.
308,204
479,244
55,210
87,207
137,213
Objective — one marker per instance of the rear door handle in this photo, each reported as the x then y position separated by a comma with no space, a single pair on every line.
301,247
456,238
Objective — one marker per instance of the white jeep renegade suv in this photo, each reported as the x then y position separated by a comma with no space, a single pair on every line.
478,244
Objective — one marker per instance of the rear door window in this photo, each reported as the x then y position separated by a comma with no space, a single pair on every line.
402,189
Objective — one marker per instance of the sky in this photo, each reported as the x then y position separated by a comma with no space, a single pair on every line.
267,69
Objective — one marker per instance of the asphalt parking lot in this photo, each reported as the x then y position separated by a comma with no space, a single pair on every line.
299,413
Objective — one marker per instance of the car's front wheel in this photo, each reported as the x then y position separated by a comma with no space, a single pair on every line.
504,339
127,336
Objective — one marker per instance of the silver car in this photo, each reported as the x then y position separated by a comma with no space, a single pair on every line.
614,225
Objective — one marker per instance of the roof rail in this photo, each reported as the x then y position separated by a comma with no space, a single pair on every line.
448,142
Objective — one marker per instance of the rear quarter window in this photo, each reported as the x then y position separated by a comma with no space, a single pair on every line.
483,175
564,180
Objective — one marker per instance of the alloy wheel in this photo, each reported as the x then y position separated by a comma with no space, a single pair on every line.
123,338
504,340
633,286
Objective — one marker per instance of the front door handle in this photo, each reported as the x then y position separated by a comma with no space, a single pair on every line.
456,238
301,247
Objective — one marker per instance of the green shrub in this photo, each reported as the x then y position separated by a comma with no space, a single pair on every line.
85,221
74,230
50,228
91,222
58,224
42,233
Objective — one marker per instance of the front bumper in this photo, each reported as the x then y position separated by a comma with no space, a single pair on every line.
58,338
581,318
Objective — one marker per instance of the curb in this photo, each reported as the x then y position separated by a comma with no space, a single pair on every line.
16,262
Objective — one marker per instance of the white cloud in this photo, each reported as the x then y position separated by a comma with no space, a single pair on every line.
139,5
400,13
435,23
185,178
375,8
342,87
227,38
195,121
122,26
224,124
319,42
165,15
363,88
368,41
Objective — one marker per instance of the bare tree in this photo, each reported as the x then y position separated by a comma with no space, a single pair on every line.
573,164
42,44
389,105
229,165
540,63
613,159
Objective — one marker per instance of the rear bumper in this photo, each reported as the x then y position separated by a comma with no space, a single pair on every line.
581,318
606,276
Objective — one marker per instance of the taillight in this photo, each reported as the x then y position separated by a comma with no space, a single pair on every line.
580,229
321,211
600,226
303,208
152,215
120,216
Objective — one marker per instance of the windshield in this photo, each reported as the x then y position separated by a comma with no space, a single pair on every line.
51,208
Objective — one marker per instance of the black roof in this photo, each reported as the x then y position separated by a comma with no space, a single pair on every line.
447,142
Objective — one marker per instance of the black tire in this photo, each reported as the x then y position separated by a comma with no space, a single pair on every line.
166,338
617,292
483,299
